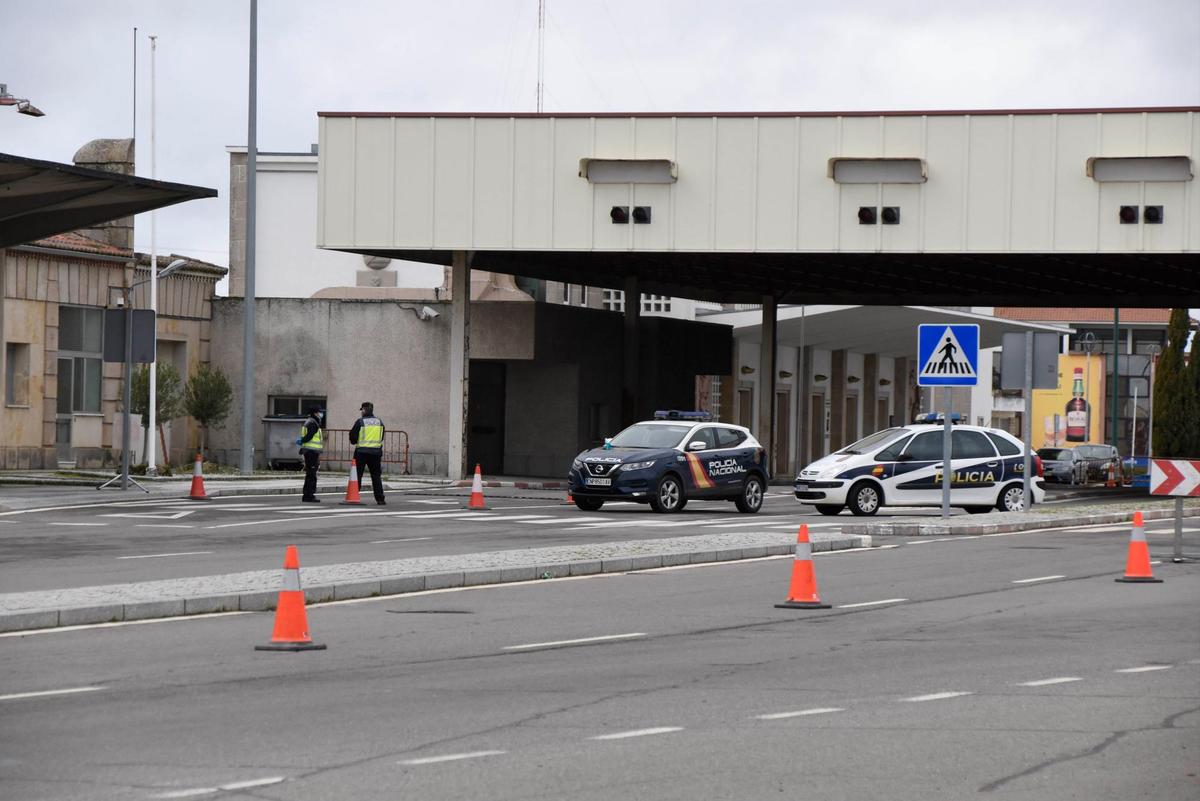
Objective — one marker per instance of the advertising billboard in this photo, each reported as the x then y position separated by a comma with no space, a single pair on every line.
1073,413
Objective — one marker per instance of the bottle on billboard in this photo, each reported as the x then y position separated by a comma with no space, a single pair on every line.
1077,411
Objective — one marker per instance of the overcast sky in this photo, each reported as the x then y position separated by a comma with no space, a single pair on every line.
74,60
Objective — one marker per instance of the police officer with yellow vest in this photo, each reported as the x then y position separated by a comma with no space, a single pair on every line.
367,437
311,442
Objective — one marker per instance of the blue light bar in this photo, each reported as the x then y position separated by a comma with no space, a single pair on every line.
672,414
937,417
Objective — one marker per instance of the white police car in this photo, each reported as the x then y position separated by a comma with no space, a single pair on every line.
903,467
670,460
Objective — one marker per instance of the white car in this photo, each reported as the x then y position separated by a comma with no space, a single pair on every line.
903,467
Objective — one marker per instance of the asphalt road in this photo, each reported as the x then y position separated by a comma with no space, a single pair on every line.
127,541
1007,667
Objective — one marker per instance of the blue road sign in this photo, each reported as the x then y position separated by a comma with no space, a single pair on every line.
947,355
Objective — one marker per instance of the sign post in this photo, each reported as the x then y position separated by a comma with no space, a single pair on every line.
949,357
1181,478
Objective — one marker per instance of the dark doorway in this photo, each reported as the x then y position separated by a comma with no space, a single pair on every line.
485,439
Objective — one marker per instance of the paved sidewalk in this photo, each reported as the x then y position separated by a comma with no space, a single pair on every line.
258,590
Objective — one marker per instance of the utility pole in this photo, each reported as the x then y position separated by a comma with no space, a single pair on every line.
248,294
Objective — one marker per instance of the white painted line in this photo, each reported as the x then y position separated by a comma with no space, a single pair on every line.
871,603
934,696
580,641
1047,682
1039,578
622,735
77,524
449,757
90,626
160,555
292,520
745,523
408,539
198,791
530,518
163,525
1143,669
800,713
435,500
926,542
45,693
1156,561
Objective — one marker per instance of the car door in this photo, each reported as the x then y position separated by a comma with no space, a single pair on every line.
977,469
699,451
916,478
732,460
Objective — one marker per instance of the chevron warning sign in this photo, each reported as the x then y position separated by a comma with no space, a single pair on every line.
1175,477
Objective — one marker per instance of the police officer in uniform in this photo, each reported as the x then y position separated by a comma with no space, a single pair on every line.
311,442
367,437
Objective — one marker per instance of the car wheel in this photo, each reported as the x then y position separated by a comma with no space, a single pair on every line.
865,498
978,510
1012,499
828,509
588,504
668,496
751,499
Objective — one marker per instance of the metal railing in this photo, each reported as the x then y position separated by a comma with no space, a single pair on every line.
338,451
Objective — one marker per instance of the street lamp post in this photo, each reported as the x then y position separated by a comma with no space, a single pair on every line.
127,396
22,103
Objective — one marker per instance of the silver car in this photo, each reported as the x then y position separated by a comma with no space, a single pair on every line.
1098,458
1064,465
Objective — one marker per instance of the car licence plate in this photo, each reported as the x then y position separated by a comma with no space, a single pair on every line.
598,482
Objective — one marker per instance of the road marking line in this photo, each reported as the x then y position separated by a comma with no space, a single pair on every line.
926,542
621,735
1045,682
1156,561
872,603
1143,669
287,520
435,500
580,641
1039,578
408,539
77,524
934,696
45,693
799,713
449,757
89,626
160,555
196,791
163,525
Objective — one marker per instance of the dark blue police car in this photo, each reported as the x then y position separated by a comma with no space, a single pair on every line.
665,462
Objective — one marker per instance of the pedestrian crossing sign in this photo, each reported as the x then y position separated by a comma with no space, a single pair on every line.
948,355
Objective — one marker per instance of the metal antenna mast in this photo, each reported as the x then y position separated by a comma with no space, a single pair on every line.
541,52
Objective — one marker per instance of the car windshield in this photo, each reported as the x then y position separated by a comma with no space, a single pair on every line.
876,440
650,435
1093,451
1054,454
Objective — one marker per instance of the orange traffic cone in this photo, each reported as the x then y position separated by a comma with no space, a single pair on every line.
1137,564
570,501
476,501
352,498
1112,478
802,594
291,622
197,493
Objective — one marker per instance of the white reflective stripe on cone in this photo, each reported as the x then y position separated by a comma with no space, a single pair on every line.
291,580
1139,534
804,550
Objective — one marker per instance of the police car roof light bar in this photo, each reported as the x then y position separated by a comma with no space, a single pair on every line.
938,417
673,414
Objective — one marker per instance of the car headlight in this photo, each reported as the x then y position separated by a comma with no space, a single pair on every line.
830,473
637,465
577,464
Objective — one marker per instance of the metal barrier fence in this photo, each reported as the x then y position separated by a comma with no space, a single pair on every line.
338,451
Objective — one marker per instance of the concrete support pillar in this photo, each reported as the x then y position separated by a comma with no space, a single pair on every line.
901,392
837,400
460,362
804,434
765,431
630,378
870,392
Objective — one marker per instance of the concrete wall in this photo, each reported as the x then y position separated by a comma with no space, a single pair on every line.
348,352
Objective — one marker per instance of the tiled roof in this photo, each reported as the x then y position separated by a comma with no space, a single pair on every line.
1064,314
73,240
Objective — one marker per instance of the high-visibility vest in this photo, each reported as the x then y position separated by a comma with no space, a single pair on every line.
313,444
370,434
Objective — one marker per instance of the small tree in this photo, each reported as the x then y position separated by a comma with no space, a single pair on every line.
168,394
208,398
1174,409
